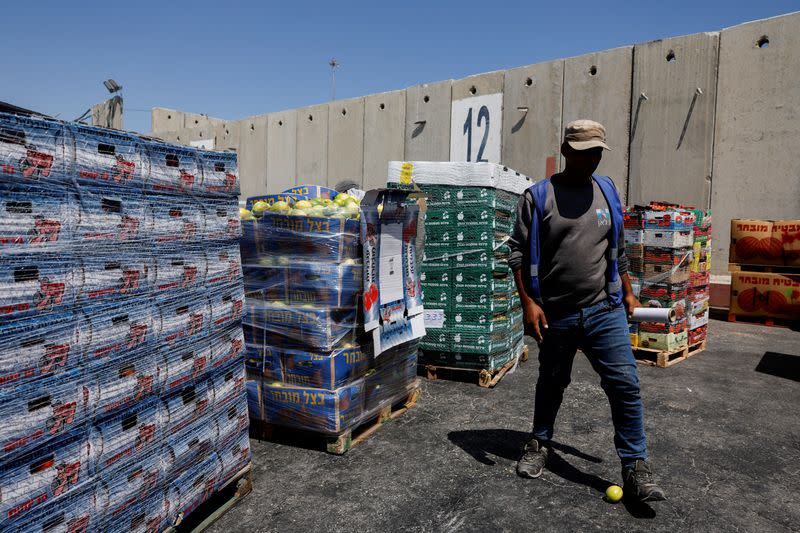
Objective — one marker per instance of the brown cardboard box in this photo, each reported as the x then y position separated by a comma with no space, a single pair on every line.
763,294
753,243
788,232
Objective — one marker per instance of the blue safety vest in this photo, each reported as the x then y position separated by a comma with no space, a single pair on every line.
613,282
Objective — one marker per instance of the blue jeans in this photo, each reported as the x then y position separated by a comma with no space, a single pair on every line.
601,332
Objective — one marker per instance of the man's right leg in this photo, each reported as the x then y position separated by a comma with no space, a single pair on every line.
556,354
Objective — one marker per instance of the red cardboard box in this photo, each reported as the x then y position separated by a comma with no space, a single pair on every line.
753,243
788,232
763,294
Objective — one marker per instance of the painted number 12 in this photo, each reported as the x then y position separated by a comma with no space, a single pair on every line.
483,120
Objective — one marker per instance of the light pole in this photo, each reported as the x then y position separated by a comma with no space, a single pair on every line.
333,64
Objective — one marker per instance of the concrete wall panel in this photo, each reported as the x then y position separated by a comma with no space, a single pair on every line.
199,133
384,135
196,120
252,155
345,141
672,125
756,168
427,128
477,85
532,118
163,119
282,150
312,145
598,86
227,135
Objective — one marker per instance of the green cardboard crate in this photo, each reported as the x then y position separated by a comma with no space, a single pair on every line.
477,322
435,276
477,278
495,260
445,196
478,300
484,219
437,297
442,218
468,361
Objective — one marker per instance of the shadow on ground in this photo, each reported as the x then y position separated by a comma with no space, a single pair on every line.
507,443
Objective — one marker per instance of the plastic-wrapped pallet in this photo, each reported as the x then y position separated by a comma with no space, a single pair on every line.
473,313
120,305
663,272
309,365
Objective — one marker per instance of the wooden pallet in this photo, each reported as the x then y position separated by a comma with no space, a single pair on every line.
220,503
773,269
341,443
667,358
486,378
764,321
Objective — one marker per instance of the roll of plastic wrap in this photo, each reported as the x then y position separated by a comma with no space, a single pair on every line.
653,314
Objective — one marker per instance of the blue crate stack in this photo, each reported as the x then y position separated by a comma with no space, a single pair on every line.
309,364
122,382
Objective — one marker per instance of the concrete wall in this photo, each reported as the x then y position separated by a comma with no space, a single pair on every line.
312,145
253,155
598,85
704,119
532,118
108,114
427,122
384,135
756,164
345,141
672,127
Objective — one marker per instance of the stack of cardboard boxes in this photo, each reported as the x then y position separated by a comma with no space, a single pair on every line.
659,241
309,364
758,246
699,293
473,312
121,370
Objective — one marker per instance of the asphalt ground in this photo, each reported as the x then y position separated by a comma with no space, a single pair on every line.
723,431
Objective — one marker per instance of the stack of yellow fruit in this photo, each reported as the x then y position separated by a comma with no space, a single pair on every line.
343,206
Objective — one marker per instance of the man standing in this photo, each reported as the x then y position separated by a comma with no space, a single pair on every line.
568,258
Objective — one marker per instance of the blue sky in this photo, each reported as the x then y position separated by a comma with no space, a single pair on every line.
232,59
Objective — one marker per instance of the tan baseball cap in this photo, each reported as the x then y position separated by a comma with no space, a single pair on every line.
585,134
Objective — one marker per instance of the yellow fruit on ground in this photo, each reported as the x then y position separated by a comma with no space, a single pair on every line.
302,204
614,493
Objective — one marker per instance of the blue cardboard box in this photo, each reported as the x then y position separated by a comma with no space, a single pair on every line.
42,410
48,473
124,436
186,406
220,173
316,238
314,409
321,328
38,346
108,331
32,150
126,380
328,370
35,218
173,169
106,157
306,282
36,284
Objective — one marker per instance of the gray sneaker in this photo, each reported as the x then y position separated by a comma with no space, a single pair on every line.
533,460
639,484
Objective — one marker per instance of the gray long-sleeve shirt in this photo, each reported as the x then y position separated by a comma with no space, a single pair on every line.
573,240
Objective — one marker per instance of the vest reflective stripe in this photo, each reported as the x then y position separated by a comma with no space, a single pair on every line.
613,281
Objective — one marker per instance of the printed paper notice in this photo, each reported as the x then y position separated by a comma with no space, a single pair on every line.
434,318
390,263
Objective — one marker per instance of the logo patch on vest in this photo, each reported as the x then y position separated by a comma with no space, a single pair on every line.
603,217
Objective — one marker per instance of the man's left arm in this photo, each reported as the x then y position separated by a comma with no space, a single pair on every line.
628,298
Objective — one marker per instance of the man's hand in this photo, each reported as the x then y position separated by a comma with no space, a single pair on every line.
534,320
631,303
